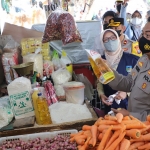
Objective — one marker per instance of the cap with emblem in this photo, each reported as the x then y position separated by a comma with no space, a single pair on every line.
115,22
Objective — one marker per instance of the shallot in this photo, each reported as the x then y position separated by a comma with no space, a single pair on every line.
60,142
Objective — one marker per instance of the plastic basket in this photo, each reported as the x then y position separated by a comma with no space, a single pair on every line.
42,135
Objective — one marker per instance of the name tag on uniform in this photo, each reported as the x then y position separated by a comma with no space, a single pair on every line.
128,69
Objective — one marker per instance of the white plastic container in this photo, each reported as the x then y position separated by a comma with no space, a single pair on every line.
74,92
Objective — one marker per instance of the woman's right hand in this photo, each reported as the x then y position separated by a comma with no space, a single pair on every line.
104,99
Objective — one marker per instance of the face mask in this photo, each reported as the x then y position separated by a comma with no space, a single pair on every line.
111,46
119,8
136,21
118,32
105,26
144,45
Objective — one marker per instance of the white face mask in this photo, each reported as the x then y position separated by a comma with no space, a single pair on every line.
136,21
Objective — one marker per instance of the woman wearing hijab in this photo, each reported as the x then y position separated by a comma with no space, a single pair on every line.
120,61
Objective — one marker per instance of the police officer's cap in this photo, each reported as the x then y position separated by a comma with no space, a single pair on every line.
115,22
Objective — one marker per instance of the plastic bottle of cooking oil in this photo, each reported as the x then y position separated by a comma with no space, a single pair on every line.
34,99
43,111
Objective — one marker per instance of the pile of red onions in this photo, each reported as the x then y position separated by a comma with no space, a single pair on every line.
60,142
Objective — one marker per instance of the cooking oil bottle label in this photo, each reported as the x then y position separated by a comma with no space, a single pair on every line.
21,103
107,77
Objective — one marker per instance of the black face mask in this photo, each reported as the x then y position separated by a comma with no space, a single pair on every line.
144,45
118,32
105,26
119,8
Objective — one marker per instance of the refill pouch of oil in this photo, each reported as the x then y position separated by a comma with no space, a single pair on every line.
103,73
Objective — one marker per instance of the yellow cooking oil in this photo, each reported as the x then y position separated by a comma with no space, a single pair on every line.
101,70
42,114
43,110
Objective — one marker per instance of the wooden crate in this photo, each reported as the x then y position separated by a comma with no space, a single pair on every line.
54,127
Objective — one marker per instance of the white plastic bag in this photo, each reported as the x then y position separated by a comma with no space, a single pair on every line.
60,92
38,62
64,59
6,113
19,92
61,76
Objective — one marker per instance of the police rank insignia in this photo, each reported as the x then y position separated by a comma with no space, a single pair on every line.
140,64
144,85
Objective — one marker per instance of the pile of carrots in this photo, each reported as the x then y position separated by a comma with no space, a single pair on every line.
114,133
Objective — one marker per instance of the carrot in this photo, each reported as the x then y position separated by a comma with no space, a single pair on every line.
107,122
143,138
145,146
74,134
129,121
103,127
145,129
118,147
85,146
126,118
94,134
135,145
100,136
80,141
116,142
86,127
133,133
99,119
119,126
108,117
125,144
147,122
148,118
135,126
87,133
113,138
105,139
76,137
119,117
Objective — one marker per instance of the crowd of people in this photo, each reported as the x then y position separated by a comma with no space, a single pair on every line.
125,46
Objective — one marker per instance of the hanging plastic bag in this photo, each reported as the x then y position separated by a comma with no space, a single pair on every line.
61,25
68,29
56,61
51,32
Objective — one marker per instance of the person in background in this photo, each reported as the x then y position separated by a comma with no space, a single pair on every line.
40,4
127,45
118,60
137,82
118,5
128,18
105,22
147,14
133,28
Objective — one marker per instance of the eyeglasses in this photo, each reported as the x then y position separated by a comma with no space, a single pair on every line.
113,38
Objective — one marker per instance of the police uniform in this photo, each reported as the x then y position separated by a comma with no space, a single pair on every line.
138,83
127,45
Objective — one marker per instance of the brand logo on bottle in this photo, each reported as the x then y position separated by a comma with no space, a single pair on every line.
93,53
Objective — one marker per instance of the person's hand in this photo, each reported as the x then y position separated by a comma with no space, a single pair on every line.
121,95
123,111
125,1
104,99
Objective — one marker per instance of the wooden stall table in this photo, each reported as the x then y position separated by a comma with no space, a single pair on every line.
53,127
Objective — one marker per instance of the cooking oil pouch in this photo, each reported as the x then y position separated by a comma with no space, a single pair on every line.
103,73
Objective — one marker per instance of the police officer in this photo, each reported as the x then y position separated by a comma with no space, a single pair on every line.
138,82
127,45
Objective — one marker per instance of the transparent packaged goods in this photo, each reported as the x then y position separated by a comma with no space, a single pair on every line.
102,71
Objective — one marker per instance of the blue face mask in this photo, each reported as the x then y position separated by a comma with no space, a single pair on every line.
111,46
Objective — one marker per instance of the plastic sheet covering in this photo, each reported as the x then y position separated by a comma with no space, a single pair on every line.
76,51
